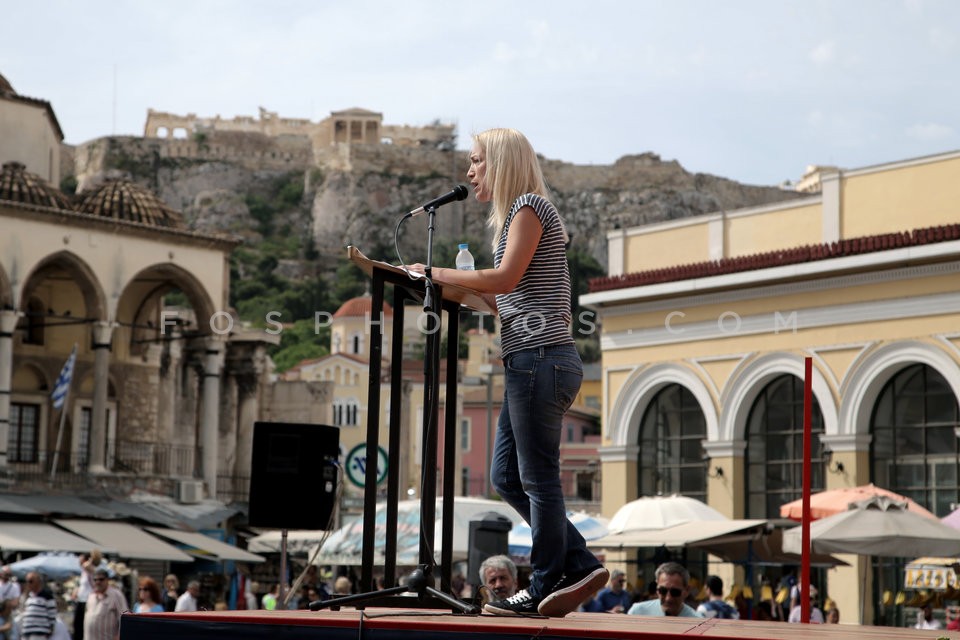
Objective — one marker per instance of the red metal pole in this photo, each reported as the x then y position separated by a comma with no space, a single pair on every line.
807,468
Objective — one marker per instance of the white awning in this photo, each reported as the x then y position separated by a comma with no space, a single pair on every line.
298,540
203,546
36,536
126,540
679,535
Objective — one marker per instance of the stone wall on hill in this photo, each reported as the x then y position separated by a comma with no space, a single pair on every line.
355,194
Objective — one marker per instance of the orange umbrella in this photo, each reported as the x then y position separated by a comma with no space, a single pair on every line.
827,503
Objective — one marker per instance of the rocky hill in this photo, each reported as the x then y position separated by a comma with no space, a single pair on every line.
356,195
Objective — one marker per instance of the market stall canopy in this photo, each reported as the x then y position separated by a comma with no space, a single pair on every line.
202,546
38,536
298,540
879,526
125,540
680,535
762,547
345,546
827,503
938,574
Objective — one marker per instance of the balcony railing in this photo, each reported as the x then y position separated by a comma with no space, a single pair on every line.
233,488
157,459
152,465
126,459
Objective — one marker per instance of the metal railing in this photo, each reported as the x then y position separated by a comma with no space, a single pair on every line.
153,465
124,458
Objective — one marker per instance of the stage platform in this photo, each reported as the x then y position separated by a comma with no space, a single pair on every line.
418,624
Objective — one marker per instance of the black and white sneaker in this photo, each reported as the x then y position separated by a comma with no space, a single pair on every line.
521,604
571,590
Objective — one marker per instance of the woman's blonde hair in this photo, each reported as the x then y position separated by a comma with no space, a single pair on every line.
512,170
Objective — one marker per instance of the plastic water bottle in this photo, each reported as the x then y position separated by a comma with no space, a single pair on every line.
464,258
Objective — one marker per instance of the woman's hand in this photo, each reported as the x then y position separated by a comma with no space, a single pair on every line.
421,269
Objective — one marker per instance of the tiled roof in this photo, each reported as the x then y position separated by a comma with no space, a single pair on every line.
19,185
122,199
360,307
797,255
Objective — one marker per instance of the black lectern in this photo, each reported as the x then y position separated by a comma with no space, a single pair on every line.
451,297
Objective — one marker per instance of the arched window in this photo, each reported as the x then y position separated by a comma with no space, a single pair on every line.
356,343
671,446
915,450
33,321
346,412
774,455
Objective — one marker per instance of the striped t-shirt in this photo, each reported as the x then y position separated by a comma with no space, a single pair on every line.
537,312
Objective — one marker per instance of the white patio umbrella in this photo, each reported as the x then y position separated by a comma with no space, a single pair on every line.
660,512
53,566
345,545
879,526
590,527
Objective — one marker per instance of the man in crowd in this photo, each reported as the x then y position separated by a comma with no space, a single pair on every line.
188,599
614,598
499,575
816,614
9,589
104,608
673,585
39,610
925,619
715,607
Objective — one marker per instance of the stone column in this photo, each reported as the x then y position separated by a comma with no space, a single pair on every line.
102,337
8,323
247,414
210,425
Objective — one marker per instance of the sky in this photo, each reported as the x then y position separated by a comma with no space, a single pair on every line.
751,90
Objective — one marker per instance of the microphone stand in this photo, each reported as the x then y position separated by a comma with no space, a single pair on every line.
420,579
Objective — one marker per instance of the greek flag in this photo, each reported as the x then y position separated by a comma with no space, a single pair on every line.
62,386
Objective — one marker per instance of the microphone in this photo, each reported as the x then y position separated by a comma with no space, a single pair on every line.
459,193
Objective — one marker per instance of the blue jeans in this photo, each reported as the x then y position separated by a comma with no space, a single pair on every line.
540,385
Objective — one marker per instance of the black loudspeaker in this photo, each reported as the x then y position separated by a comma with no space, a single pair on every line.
293,475
488,537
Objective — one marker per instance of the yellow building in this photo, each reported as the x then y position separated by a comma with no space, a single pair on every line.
346,369
707,322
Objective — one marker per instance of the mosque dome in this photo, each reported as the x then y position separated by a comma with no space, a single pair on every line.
19,185
123,199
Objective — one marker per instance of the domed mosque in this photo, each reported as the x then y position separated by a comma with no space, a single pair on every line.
19,185
123,199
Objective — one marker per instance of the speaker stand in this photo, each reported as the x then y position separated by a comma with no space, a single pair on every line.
418,582
283,568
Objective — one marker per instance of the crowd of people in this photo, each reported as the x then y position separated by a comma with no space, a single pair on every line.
34,608
31,611
671,593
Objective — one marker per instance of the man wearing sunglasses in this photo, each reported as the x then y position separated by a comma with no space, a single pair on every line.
104,607
673,581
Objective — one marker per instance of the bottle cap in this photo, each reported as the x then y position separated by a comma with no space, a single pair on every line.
463,245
